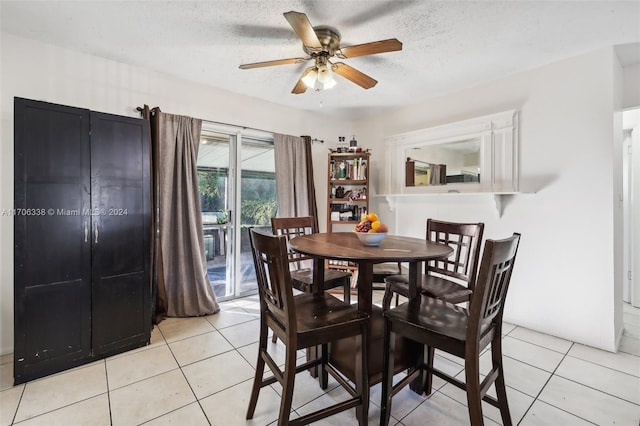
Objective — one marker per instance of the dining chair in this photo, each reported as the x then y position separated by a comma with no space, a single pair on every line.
301,274
451,279
302,321
463,332
383,270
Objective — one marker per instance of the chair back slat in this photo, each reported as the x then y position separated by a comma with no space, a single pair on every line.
291,227
487,304
274,280
465,240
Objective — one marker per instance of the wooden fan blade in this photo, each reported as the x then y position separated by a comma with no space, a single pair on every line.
354,75
300,87
382,46
301,25
271,63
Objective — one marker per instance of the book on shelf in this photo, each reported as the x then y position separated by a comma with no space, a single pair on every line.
355,169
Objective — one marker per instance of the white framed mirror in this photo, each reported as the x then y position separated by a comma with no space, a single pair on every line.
475,155
441,164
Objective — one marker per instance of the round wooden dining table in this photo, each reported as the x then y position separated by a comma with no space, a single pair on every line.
347,246
394,248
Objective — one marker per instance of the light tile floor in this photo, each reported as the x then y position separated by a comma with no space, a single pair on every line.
198,371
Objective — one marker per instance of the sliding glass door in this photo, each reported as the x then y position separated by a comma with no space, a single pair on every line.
257,202
237,191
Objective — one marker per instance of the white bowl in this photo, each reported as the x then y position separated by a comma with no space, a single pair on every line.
371,239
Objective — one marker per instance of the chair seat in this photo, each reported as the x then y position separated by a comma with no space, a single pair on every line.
302,279
432,286
319,315
432,315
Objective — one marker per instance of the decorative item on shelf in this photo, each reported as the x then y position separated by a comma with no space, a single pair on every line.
353,144
346,216
342,144
333,191
339,192
356,194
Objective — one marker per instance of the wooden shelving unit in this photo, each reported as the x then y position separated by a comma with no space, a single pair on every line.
347,194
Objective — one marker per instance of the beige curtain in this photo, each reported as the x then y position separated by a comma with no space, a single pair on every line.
184,267
295,190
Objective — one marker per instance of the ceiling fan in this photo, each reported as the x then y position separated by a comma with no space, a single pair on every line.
322,43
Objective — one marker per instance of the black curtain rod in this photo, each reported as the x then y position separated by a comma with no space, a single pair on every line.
314,140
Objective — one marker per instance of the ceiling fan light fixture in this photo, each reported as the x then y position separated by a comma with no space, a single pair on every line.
329,84
310,77
324,74
319,77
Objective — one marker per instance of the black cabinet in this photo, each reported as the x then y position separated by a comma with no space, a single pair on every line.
82,232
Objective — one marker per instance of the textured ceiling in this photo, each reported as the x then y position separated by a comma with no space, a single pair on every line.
447,45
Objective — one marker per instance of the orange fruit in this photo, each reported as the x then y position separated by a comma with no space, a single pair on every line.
372,217
383,228
375,225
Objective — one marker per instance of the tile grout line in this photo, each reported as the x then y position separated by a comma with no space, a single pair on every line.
13,419
596,389
186,380
58,408
545,385
106,376
537,397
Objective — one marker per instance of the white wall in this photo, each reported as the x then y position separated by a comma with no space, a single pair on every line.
44,72
631,93
563,283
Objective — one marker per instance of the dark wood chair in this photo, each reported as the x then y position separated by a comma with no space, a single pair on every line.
303,321
459,331
301,275
383,270
451,279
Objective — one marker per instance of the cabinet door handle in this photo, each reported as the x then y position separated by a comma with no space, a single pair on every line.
86,232
96,234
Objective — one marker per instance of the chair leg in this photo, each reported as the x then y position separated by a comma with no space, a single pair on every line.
386,299
312,353
255,390
387,374
347,291
362,377
501,391
257,380
322,368
472,376
287,386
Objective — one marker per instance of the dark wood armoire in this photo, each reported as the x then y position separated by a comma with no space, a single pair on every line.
82,232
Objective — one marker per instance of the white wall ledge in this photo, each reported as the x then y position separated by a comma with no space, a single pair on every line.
501,199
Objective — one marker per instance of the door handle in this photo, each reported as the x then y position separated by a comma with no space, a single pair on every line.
86,232
96,234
